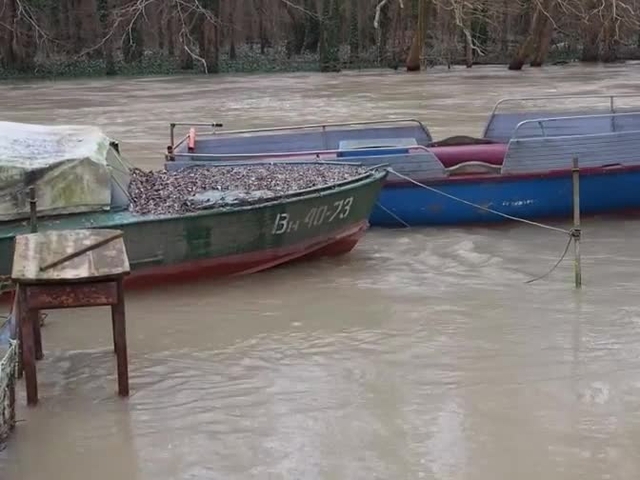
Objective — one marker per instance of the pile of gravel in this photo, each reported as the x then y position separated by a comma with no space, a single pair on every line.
182,191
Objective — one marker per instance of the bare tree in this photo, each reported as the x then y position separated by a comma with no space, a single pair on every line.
204,33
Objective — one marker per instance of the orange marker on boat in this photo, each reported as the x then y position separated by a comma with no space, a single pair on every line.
191,142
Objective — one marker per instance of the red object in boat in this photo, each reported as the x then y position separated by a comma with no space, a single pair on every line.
191,141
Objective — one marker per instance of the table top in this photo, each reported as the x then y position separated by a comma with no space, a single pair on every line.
37,250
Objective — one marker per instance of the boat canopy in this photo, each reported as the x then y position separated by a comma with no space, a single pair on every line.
70,166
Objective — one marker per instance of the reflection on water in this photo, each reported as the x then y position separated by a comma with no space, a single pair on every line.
423,354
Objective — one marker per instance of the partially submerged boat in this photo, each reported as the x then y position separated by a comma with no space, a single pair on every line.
180,223
520,166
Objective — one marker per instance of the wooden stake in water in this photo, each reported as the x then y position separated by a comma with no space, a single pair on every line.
576,222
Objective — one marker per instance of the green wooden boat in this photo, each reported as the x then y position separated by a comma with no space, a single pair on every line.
321,221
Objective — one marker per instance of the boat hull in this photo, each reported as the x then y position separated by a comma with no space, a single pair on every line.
339,243
530,197
216,243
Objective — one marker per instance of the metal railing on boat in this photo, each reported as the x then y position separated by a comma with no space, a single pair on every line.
316,155
322,126
540,122
610,98
266,156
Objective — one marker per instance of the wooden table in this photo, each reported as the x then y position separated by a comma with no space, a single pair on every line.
46,278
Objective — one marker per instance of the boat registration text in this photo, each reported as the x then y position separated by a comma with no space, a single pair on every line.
314,217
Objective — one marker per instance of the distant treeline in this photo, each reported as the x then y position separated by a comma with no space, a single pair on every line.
96,37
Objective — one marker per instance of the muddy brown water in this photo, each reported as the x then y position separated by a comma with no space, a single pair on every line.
423,354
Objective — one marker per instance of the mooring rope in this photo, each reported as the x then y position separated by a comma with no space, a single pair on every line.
385,209
486,209
564,254
571,233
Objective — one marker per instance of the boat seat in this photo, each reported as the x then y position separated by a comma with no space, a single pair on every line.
492,154
460,140
469,168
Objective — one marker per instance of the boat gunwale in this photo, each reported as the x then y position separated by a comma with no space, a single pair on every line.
372,176
499,178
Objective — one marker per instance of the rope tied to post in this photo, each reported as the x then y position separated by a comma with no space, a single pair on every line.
574,233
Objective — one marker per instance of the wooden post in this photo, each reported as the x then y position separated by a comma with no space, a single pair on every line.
576,234
28,348
118,323
33,209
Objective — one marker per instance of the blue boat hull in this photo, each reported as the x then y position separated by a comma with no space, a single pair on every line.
527,197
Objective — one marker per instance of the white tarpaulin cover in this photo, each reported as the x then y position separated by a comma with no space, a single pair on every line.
67,164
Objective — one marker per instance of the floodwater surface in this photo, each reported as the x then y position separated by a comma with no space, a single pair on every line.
422,354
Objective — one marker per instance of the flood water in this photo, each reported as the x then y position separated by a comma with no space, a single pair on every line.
422,354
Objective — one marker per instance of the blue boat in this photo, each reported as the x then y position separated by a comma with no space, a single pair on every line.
520,166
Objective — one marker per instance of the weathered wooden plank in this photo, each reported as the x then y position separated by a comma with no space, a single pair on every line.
45,297
82,251
35,250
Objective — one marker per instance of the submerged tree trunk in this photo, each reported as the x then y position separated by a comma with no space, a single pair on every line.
537,42
414,59
542,38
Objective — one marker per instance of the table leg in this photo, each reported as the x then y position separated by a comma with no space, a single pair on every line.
113,329
18,320
28,349
37,337
120,341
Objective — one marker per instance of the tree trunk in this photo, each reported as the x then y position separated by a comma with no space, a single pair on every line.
468,44
354,33
538,37
209,50
542,35
590,48
171,36
232,34
609,52
414,59
209,36
107,47
591,35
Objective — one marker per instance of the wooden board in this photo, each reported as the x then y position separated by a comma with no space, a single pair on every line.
35,250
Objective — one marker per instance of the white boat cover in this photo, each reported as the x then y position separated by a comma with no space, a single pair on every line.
67,164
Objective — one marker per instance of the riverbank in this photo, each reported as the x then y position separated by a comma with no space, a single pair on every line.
245,59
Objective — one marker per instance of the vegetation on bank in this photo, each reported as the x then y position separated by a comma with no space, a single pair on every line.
54,38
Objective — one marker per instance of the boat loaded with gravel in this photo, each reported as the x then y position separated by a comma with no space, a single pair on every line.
214,220
520,166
